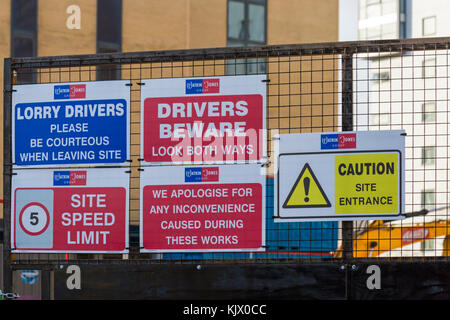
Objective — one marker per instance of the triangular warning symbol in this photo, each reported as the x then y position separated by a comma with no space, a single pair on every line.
306,192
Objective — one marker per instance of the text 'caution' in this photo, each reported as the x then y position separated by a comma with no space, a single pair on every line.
367,183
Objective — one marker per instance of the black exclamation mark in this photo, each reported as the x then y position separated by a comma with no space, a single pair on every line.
306,185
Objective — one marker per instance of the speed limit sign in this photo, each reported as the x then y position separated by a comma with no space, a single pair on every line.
34,218
82,211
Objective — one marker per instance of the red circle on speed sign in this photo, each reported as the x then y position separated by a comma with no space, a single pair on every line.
34,218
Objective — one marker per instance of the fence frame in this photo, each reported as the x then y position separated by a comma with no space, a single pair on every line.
345,49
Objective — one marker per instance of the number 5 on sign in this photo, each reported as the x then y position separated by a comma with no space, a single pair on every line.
34,218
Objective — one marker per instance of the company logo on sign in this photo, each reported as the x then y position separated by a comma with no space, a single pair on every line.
69,178
199,86
206,174
338,141
193,175
73,91
210,174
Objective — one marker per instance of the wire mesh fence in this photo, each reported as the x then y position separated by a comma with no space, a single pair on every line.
328,87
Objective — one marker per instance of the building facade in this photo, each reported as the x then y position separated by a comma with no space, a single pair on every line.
407,90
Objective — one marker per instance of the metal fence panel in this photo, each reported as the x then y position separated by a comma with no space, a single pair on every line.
326,87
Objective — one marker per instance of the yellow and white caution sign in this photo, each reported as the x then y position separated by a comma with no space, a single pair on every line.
339,176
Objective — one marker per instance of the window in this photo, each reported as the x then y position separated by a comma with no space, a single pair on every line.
381,19
428,199
246,26
373,9
429,112
109,35
429,26
429,68
427,244
428,155
381,76
369,2
246,22
236,21
24,34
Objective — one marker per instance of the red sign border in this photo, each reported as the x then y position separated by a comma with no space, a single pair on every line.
21,214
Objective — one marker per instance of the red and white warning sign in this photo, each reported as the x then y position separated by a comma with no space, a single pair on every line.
70,211
202,208
203,120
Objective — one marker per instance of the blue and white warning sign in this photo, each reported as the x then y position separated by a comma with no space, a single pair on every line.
71,124
83,210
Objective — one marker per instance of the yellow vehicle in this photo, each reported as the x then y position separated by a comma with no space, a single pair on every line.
426,236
